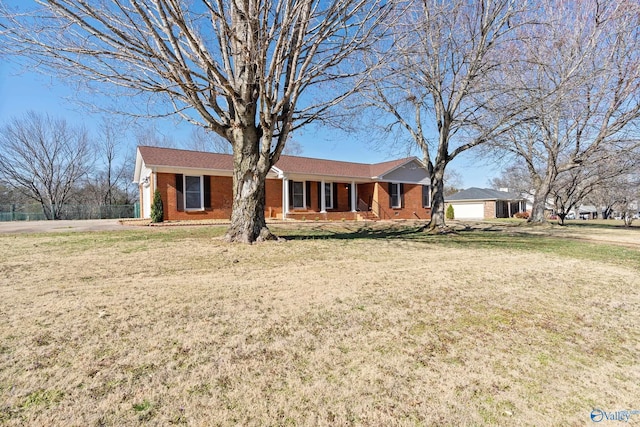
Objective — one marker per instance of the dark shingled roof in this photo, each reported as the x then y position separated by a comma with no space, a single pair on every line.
475,193
171,157
157,156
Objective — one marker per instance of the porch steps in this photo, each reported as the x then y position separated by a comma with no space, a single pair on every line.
367,216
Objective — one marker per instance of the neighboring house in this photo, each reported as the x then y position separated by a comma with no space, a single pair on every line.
587,212
198,185
485,203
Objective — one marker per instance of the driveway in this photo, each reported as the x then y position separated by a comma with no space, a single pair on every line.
59,226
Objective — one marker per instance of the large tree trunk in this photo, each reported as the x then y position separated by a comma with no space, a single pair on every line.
437,197
539,202
250,170
248,223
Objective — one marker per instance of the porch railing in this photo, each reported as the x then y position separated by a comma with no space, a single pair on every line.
363,206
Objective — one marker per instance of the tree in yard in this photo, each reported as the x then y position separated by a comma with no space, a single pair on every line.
607,172
250,71
436,80
515,178
112,175
624,196
581,71
43,159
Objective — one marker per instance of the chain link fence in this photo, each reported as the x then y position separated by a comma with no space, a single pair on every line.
33,212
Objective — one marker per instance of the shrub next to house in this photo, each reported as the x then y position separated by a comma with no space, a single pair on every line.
156,208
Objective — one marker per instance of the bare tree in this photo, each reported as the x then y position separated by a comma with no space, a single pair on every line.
247,70
151,136
113,175
43,158
625,197
436,80
109,181
581,71
453,182
515,178
606,172
293,148
204,140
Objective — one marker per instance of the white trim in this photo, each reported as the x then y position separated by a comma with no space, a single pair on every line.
285,197
354,196
324,195
278,172
304,195
429,194
184,192
146,202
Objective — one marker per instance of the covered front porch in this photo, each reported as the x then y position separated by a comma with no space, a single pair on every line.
325,199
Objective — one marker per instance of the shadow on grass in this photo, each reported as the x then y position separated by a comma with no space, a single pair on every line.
474,236
489,234
419,232
348,233
603,225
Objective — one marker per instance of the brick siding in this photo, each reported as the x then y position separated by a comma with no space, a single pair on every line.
222,201
489,209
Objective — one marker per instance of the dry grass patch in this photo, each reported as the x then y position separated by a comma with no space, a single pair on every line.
173,326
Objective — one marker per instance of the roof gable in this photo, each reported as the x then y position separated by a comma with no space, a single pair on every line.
409,170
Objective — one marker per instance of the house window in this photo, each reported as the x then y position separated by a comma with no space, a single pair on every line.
193,195
298,194
396,194
328,195
426,196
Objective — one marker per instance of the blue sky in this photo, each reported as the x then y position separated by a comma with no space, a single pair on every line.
22,91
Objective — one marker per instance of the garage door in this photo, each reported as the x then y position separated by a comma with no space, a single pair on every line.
468,210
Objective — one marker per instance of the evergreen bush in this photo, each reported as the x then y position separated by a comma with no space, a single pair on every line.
157,212
449,214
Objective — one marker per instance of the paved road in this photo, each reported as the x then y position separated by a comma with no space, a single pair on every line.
59,226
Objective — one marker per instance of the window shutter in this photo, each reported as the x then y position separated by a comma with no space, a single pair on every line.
290,194
390,191
335,195
319,195
207,191
308,193
401,195
349,196
179,190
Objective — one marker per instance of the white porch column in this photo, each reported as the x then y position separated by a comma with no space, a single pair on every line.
354,196
323,199
509,209
285,198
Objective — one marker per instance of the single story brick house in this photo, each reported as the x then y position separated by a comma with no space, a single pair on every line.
198,185
485,203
